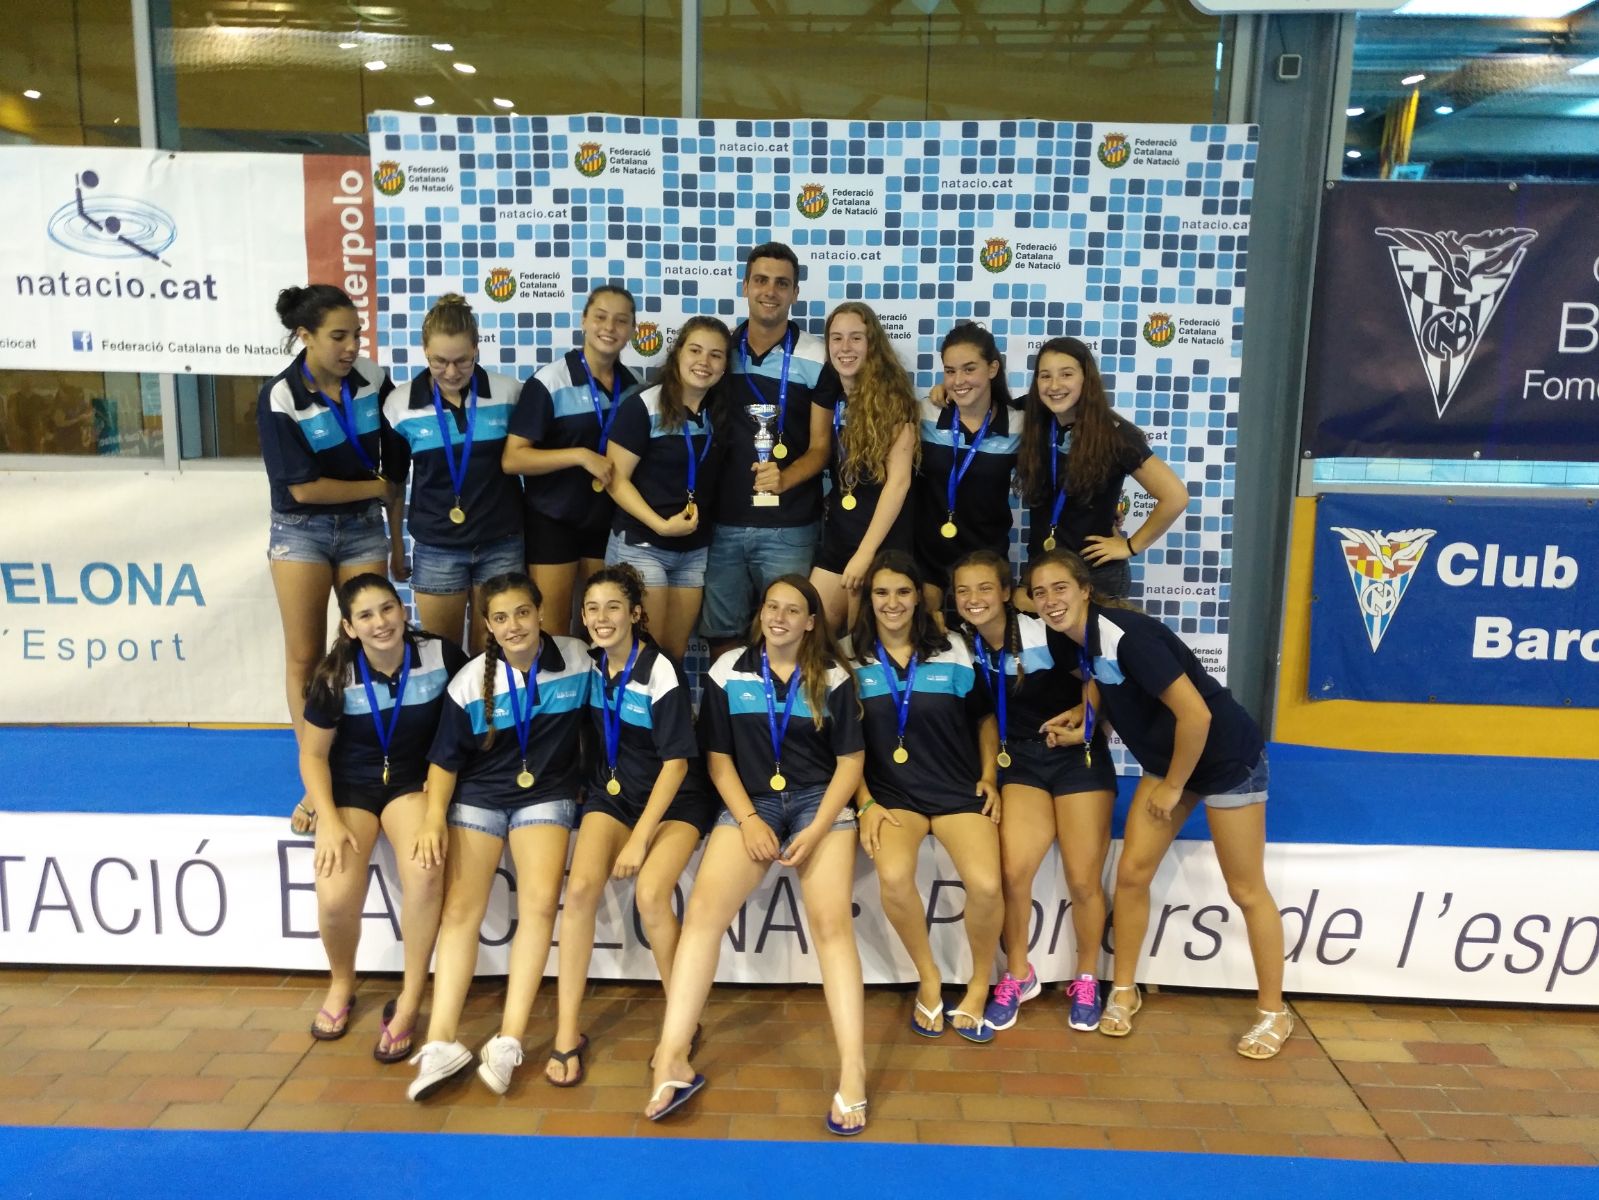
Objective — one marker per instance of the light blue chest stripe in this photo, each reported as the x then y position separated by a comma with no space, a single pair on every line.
697,432
556,698
994,443
322,428
1108,671
1034,658
420,427
422,688
635,703
745,697
574,401
936,679
800,370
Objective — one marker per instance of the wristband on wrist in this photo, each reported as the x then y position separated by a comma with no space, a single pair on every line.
741,820
1131,553
860,809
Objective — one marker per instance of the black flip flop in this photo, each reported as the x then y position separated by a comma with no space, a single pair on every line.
565,1056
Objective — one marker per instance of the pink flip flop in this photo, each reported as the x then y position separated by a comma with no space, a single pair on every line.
392,1047
339,1020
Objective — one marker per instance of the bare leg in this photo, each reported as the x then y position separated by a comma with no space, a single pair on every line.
829,586
421,901
469,866
339,897
600,838
827,880
1026,828
682,610
902,904
555,582
972,843
1082,822
444,615
673,846
1239,835
539,854
1144,843
302,589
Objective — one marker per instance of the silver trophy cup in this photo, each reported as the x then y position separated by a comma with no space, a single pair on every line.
765,421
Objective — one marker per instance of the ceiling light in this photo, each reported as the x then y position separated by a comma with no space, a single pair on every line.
348,45
1587,108
1408,80
423,101
1351,153
1443,110
504,103
466,68
1591,67
33,93
1354,110
377,64
444,46
1530,9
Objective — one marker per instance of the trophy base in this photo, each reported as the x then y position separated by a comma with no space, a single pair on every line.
765,500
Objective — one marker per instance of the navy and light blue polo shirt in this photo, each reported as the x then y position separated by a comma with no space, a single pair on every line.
1047,684
657,725
982,501
946,706
733,721
302,440
487,777
661,475
491,498
356,760
1135,659
556,412
1089,514
811,381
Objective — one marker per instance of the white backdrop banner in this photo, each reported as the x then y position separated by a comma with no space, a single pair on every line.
145,260
137,597
1130,237
1509,926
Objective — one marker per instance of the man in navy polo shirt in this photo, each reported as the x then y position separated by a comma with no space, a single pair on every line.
769,503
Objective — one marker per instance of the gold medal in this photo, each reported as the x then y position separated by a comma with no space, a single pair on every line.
780,452
613,785
1088,757
596,485
901,755
385,770
457,515
1049,542
1004,758
848,502
947,529
525,779
777,782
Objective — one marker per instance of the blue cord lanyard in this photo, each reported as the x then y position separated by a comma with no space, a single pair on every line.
1085,665
902,700
694,463
613,721
963,463
1062,445
457,470
778,451
994,674
344,414
778,731
385,731
524,717
848,500
605,418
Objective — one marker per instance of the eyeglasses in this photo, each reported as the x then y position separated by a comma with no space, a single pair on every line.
439,365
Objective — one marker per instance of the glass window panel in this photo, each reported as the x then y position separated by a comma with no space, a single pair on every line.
1097,60
85,414
79,58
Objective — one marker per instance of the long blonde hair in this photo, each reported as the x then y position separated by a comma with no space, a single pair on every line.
883,401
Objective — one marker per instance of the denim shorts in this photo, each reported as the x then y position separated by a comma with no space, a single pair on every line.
498,822
450,570
743,560
1250,791
790,812
338,539
659,567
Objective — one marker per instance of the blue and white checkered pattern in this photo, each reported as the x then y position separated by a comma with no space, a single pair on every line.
1131,237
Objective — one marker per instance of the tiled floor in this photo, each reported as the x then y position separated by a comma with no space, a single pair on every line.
228,1050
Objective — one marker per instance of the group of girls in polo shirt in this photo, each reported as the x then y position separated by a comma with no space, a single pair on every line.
990,737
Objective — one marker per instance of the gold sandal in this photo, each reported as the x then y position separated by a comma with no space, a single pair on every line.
1266,1037
303,819
1120,1013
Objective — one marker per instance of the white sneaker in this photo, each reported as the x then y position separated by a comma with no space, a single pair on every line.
500,1057
435,1063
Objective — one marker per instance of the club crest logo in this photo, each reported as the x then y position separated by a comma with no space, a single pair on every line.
647,338
1381,566
812,201
1452,286
500,286
1114,151
589,160
995,256
388,178
1160,330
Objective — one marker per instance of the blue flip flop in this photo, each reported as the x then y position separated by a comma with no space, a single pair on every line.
982,1033
838,1130
685,1092
926,1014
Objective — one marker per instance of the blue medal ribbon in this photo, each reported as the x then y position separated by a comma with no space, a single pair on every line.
343,413
902,699
994,675
782,385
612,723
385,731
523,717
605,418
694,463
778,731
1085,665
961,465
1054,476
457,470
838,442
